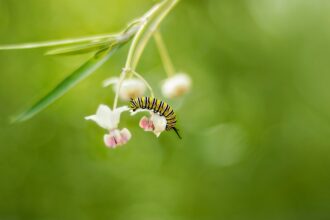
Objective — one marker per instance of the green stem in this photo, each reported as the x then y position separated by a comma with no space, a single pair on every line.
121,80
164,55
145,82
151,21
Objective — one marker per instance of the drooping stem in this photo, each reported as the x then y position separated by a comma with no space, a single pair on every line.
121,80
164,55
150,22
145,82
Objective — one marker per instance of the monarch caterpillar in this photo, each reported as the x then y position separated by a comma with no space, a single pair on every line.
158,106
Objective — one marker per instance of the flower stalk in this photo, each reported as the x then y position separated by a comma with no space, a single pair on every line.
164,55
149,24
145,82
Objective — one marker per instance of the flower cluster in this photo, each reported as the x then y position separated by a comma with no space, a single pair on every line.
174,86
131,85
109,120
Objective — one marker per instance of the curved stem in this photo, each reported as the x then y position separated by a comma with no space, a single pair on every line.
164,55
145,82
151,21
121,80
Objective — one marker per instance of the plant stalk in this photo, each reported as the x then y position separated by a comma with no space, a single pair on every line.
150,22
164,55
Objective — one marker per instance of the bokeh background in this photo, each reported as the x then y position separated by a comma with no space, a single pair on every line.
256,125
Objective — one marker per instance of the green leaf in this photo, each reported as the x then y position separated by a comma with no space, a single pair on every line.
81,73
120,37
58,42
82,48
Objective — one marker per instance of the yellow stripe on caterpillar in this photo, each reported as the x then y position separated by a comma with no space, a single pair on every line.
157,106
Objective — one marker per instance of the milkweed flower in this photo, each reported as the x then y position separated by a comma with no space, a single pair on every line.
109,119
155,123
130,88
176,85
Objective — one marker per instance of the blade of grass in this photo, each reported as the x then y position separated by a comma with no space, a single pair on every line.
58,42
80,49
81,73
130,30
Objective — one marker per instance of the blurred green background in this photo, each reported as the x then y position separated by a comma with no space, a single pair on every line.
256,126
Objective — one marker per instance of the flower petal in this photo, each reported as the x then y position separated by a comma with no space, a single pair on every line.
159,123
109,141
117,138
110,81
139,110
126,135
115,116
121,109
157,133
146,124
177,85
131,88
91,117
103,115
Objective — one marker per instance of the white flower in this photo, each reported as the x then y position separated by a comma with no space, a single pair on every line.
109,119
106,118
159,123
130,88
155,124
176,85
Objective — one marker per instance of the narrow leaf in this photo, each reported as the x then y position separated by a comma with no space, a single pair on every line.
81,73
80,49
57,42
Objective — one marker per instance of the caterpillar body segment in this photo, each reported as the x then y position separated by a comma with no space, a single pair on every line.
159,107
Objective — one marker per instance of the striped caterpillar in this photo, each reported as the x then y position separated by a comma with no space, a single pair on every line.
157,106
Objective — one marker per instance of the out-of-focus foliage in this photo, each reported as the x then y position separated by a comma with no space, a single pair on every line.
256,125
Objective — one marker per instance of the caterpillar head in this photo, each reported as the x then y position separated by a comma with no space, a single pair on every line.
132,105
